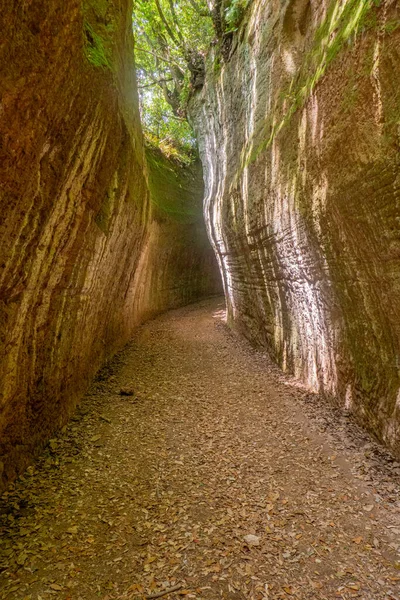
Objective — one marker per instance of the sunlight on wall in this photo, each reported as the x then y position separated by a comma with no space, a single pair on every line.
269,256
288,61
378,86
254,20
283,283
294,130
215,187
309,337
249,90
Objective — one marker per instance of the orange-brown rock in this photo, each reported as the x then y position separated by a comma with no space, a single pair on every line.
299,137
77,222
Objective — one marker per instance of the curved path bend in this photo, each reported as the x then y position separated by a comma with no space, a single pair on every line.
218,475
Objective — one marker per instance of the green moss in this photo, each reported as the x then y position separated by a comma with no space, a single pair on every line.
392,26
98,7
103,217
176,190
95,50
340,27
217,65
234,14
98,29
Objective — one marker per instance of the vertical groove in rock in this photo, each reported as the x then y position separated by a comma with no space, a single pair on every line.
76,215
299,138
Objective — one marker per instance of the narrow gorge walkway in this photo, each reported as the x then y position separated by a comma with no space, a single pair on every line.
217,475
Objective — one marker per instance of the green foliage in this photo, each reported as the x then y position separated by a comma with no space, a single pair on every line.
178,143
234,14
95,49
98,28
171,41
392,26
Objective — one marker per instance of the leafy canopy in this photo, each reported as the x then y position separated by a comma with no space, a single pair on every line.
172,40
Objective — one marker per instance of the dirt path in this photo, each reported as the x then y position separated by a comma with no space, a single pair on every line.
162,488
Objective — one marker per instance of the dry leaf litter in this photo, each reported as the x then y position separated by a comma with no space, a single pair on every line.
195,469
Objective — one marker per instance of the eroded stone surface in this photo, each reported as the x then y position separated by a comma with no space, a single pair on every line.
77,223
299,136
178,263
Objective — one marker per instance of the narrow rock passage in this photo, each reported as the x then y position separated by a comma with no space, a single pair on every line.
162,488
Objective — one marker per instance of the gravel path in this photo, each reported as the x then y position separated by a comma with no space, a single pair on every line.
194,462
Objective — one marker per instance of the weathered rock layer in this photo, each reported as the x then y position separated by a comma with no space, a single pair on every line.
177,262
79,231
299,136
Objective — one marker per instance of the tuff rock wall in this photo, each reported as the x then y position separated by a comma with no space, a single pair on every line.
177,263
79,233
300,135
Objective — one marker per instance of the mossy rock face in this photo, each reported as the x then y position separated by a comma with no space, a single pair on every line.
179,265
299,136
95,48
98,31
337,33
176,190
